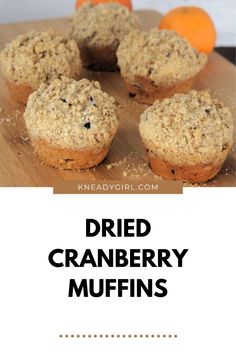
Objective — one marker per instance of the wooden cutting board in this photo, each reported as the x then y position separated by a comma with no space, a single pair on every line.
126,160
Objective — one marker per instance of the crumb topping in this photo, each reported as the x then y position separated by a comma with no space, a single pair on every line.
133,165
102,25
160,55
188,128
72,114
40,57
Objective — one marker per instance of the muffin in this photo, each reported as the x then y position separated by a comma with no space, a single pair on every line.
98,30
38,57
157,64
71,123
188,136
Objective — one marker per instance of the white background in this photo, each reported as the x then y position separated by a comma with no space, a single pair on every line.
223,12
200,306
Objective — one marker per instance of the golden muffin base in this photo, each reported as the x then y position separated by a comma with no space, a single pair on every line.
68,159
99,58
19,93
197,173
145,91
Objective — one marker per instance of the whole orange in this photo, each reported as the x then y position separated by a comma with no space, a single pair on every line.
194,24
127,3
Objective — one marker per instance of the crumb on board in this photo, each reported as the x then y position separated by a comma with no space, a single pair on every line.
25,139
21,139
133,165
6,120
188,184
10,119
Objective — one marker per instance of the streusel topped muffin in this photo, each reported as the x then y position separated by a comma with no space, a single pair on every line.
98,30
188,136
158,63
71,123
39,57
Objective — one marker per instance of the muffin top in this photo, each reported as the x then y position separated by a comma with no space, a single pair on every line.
40,57
102,25
72,114
159,55
192,128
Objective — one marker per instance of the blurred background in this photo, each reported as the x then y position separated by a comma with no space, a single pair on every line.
223,13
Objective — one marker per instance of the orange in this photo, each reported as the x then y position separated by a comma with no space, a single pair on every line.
127,3
194,24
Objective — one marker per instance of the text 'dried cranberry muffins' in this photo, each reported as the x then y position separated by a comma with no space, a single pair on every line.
98,30
71,123
38,57
157,64
188,136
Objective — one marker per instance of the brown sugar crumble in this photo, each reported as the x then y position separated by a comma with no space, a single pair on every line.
162,56
72,114
188,128
98,30
102,25
39,57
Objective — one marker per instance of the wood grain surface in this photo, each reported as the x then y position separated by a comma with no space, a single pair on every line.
126,160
